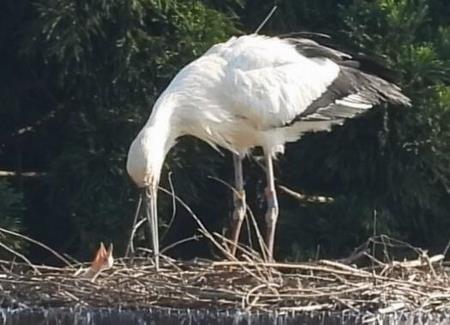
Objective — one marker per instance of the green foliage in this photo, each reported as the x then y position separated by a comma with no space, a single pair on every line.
392,162
419,143
11,211
102,65
80,77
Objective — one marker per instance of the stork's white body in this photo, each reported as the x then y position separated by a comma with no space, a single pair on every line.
255,91
239,92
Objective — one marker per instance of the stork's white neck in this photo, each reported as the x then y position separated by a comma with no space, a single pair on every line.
150,147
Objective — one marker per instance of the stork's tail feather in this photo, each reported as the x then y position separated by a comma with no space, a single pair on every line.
352,93
363,81
341,102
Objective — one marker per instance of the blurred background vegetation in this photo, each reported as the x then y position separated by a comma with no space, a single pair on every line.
78,79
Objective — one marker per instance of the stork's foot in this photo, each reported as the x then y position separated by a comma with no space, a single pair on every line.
271,221
237,218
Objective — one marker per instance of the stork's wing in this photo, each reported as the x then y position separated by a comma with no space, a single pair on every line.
275,83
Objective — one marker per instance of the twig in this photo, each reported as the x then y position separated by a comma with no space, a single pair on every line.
13,233
26,260
174,206
447,247
262,245
203,229
130,246
306,198
179,242
272,11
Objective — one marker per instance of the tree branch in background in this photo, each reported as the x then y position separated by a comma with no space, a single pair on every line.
29,128
306,198
4,173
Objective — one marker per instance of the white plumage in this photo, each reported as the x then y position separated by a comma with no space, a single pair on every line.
255,91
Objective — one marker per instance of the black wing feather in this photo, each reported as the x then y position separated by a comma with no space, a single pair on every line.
361,83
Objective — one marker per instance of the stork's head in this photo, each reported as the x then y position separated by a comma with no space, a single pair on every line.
144,164
145,158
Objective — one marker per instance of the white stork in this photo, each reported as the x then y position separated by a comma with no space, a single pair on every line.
254,91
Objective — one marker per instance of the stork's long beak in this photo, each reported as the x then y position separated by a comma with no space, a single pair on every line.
151,210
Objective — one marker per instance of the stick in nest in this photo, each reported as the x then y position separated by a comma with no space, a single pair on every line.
261,243
13,233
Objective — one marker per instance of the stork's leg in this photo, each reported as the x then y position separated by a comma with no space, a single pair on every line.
239,202
272,206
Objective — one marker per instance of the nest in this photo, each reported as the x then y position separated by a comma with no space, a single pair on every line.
379,285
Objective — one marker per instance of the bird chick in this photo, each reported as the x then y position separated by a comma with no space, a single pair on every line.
103,260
